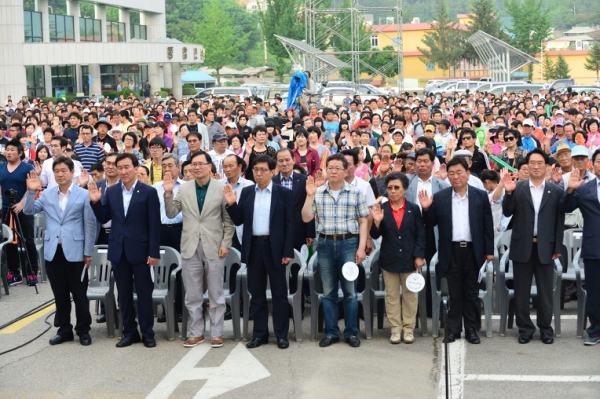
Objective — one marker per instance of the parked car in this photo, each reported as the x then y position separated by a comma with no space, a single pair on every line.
487,86
582,89
559,84
512,88
232,91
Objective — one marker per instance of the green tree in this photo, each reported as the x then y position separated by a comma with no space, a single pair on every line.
561,68
548,69
217,33
385,63
592,62
445,44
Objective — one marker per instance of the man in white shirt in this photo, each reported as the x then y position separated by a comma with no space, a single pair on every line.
219,151
234,168
58,146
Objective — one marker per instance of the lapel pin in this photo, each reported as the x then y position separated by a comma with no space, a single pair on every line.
548,192
138,191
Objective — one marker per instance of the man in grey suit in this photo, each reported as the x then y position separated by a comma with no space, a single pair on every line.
424,180
205,242
537,236
68,248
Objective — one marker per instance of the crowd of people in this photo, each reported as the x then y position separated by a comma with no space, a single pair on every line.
411,176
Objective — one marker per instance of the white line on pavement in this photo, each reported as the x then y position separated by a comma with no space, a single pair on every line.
532,378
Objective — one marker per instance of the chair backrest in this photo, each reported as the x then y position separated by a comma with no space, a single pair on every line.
169,259
503,243
7,234
233,263
313,269
572,239
375,271
99,270
39,227
433,277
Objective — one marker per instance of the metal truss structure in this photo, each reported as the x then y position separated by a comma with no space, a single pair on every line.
324,21
500,58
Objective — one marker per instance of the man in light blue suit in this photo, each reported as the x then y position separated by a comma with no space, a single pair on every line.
68,246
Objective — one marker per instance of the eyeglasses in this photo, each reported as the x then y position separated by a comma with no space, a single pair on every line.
69,150
193,141
198,164
510,138
108,163
335,169
394,188
467,138
260,170
156,148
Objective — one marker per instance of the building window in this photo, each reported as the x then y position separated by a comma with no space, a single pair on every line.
374,41
33,26
139,32
35,81
61,28
90,30
63,78
430,66
115,31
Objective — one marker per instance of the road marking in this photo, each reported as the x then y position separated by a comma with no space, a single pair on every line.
27,320
532,378
456,352
239,368
563,317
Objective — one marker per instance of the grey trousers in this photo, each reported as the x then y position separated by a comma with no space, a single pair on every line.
194,272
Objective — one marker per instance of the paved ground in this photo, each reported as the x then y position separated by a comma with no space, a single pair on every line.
498,368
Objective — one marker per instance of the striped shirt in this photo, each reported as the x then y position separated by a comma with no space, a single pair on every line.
339,216
89,155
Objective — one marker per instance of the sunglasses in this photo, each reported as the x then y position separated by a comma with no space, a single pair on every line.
510,138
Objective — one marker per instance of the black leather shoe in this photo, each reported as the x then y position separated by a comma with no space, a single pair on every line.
128,341
325,342
85,339
161,319
472,337
101,318
149,342
524,339
256,342
353,341
547,338
451,338
283,343
59,339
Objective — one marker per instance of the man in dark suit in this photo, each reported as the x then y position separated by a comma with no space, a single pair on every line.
464,217
586,197
537,236
304,233
424,180
266,210
133,245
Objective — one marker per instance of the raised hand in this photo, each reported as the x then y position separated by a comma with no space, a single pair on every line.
386,164
377,213
442,173
575,181
94,192
168,184
556,174
311,187
84,178
510,182
248,146
425,200
175,140
37,167
230,195
33,182
320,178
452,143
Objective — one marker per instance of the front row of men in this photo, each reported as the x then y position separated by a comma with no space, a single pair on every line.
270,213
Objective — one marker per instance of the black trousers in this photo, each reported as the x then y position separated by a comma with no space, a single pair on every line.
12,252
170,236
126,275
464,291
65,280
544,280
592,286
261,266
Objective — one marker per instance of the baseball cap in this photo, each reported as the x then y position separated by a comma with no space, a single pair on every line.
463,102
363,123
559,122
231,125
219,137
463,153
399,131
430,128
528,122
167,117
579,151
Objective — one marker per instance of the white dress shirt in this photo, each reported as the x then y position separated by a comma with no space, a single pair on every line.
63,200
262,210
461,229
238,187
426,185
366,188
127,196
536,195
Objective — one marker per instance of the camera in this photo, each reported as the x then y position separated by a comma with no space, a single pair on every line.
11,193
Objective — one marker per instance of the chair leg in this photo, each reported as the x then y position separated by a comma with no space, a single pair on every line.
488,304
246,315
435,317
171,318
235,318
503,311
368,317
297,317
314,315
110,310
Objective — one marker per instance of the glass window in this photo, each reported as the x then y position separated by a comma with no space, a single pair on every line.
61,28
63,78
33,26
115,31
374,41
35,81
90,30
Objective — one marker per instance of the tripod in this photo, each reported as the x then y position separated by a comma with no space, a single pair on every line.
14,223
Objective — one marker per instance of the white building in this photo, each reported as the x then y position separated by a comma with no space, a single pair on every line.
43,52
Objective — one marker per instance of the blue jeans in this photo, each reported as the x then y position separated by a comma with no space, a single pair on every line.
332,256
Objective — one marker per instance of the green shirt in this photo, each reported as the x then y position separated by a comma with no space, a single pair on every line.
201,194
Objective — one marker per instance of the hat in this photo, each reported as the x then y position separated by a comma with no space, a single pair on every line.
579,151
103,121
430,128
463,102
150,125
561,148
488,112
399,131
559,122
231,125
411,155
167,117
363,123
528,122
560,111
463,153
219,137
